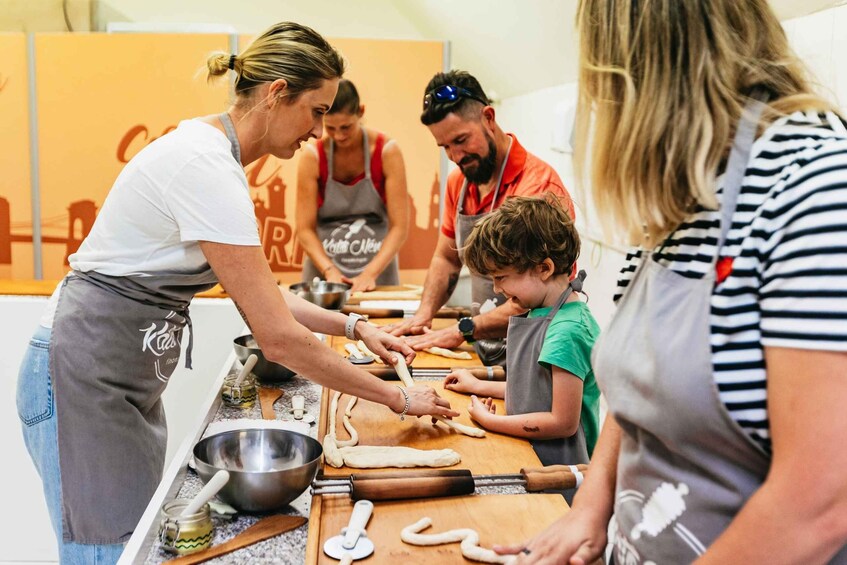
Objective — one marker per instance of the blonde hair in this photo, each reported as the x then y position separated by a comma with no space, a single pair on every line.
521,234
287,51
665,82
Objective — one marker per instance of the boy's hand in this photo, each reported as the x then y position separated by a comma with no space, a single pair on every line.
480,410
461,380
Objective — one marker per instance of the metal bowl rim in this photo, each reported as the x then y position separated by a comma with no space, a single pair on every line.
199,460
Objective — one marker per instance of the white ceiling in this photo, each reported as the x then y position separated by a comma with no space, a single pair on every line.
511,46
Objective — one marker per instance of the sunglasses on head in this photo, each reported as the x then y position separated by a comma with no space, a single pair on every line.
449,93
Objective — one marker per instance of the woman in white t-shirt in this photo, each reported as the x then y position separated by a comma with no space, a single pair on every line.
179,219
725,365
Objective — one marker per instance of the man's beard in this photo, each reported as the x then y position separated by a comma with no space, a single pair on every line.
484,169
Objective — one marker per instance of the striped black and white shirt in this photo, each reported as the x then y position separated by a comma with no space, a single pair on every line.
788,284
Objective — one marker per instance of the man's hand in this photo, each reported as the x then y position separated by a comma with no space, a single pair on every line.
415,325
382,343
448,338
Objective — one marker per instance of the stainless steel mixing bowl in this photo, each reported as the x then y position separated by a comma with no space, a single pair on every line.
266,371
329,295
268,468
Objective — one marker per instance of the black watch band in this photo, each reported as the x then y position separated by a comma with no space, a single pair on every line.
466,328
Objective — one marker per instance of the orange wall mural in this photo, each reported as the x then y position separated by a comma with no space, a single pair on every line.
15,194
101,97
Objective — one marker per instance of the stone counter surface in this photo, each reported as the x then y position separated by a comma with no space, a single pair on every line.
290,547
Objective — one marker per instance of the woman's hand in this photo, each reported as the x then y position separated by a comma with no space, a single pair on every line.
577,538
424,401
362,283
461,380
382,343
333,274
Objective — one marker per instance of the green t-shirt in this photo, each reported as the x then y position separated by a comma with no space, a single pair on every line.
567,345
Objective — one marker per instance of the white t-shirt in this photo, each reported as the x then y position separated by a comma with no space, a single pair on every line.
182,188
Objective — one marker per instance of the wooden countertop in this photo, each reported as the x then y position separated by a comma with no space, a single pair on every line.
46,288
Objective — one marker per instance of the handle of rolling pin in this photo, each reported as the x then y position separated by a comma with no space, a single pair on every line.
494,373
373,312
383,372
404,488
553,480
453,312
582,468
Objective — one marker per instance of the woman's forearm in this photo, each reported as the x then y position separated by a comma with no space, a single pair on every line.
311,244
314,317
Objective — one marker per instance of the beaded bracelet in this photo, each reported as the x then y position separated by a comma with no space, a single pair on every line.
408,403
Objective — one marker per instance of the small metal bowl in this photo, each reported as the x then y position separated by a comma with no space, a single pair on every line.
329,295
268,468
266,371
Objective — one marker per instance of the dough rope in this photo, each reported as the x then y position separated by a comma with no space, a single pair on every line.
448,353
469,542
406,379
338,453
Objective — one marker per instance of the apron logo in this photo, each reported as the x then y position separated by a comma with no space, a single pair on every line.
355,238
159,341
661,511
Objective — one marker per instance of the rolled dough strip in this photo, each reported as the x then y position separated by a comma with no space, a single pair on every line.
349,411
406,379
332,455
469,538
354,435
378,456
387,295
448,353
364,349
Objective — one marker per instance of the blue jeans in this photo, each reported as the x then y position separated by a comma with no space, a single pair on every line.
37,411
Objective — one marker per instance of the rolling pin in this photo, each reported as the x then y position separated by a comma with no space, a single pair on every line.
404,485
387,373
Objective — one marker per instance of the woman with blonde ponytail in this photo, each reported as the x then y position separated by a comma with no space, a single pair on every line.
179,219
725,366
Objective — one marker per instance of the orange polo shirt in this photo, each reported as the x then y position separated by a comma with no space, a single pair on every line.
524,175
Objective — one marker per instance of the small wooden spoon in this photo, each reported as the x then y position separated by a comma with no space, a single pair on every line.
267,397
263,529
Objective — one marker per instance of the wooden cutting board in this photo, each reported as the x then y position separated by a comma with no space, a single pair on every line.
499,519
423,360
384,288
377,425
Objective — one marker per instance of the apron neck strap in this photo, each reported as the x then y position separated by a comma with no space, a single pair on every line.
574,286
742,146
229,129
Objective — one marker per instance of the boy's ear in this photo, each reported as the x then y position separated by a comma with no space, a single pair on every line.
546,269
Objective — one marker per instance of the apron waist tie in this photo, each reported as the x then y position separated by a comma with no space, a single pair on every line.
190,339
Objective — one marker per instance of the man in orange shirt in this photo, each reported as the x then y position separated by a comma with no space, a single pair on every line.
492,166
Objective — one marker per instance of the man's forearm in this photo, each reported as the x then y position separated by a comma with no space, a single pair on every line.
493,324
440,282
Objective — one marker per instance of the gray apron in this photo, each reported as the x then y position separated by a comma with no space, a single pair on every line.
483,297
529,387
685,468
352,224
115,343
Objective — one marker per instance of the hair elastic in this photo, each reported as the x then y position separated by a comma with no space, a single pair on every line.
232,61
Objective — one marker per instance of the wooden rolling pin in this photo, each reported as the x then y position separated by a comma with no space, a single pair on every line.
404,485
386,373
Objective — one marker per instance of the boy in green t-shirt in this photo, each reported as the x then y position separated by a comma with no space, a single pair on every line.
529,247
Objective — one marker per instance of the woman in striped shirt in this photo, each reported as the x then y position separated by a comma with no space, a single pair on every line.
725,367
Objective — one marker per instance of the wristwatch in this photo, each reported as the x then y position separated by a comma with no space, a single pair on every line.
350,326
466,328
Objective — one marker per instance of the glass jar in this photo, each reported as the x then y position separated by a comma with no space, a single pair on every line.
239,395
185,534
